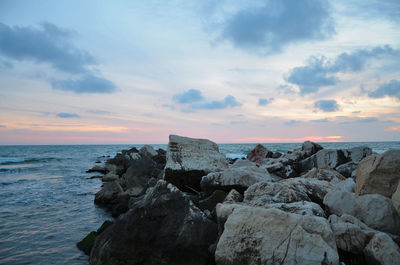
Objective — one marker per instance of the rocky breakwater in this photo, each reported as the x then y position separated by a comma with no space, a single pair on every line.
190,206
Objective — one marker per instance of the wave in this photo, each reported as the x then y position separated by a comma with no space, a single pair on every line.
18,161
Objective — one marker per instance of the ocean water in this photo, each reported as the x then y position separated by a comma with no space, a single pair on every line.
46,198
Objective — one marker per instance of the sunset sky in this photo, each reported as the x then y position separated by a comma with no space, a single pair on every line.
108,72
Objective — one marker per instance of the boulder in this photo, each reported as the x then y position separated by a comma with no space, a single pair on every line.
379,174
310,148
355,154
239,176
253,235
347,169
108,193
164,227
109,177
325,173
382,250
287,191
233,196
396,199
323,158
346,185
147,150
97,168
374,210
139,172
258,154
188,160
351,234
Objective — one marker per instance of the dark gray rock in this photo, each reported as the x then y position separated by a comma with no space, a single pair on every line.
347,169
310,148
164,227
210,202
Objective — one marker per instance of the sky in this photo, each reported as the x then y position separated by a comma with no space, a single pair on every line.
125,72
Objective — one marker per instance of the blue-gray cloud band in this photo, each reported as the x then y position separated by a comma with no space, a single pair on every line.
278,23
51,44
194,100
320,72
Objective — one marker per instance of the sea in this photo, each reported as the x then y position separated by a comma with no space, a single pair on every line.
46,198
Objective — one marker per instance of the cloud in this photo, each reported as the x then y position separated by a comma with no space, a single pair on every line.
311,77
320,72
194,100
87,84
5,64
291,123
320,120
264,101
2,126
100,112
46,44
370,9
326,105
67,115
272,26
190,96
391,89
368,120
228,101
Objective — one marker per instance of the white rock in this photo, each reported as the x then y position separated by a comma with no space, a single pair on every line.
185,153
254,235
188,160
287,191
236,177
374,210
346,185
382,250
350,235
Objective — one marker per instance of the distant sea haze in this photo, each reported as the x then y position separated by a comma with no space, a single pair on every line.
47,199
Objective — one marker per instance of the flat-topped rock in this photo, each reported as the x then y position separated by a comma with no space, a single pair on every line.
189,159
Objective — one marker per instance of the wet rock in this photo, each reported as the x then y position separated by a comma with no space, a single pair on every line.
109,193
382,250
253,235
109,177
188,160
87,243
164,227
379,174
374,210
258,154
310,148
97,168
